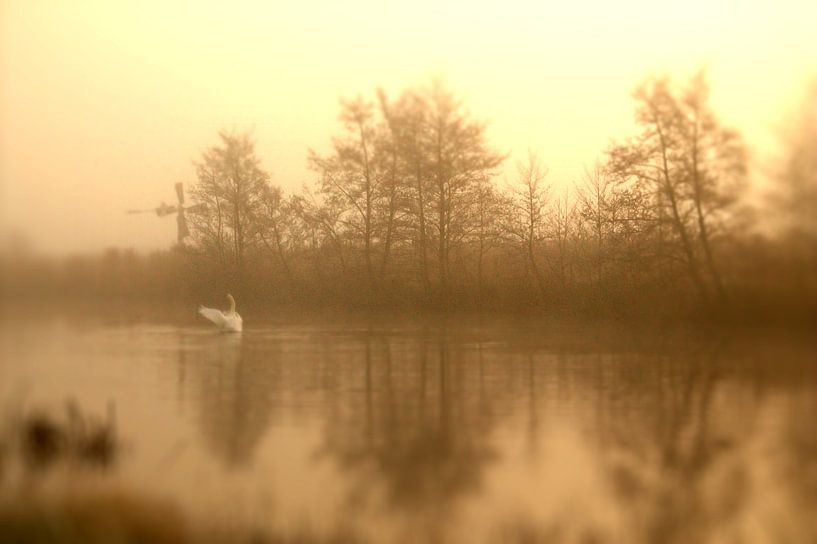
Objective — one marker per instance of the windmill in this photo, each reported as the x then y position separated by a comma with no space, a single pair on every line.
164,210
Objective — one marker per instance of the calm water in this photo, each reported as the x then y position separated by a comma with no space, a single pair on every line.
447,430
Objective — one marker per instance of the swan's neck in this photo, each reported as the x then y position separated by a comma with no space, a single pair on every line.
232,304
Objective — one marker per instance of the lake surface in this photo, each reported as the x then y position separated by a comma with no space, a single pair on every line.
459,429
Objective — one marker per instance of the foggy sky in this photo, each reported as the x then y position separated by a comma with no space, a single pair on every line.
103,105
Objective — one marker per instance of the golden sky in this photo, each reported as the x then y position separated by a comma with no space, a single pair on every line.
104,104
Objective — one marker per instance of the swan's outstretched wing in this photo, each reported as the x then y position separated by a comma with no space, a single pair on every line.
213,315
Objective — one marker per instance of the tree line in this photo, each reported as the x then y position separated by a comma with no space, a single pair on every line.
408,210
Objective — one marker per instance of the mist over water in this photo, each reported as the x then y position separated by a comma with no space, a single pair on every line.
440,429
507,272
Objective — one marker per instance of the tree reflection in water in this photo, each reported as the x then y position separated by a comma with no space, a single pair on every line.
421,443
441,433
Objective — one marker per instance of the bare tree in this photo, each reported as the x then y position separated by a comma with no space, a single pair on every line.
324,226
348,177
275,226
231,189
715,163
489,210
597,210
437,156
560,226
647,159
688,164
526,216
407,118
458,157
394,185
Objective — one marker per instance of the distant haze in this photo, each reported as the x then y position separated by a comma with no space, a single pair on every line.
103,105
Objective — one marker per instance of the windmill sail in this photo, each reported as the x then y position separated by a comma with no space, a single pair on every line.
163,210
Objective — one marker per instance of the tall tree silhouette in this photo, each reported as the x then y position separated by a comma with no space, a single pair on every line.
525,220
689,165
231,187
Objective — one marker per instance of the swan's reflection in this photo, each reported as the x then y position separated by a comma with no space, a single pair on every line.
234,398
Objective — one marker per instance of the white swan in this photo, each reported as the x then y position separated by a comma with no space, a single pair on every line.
228,321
